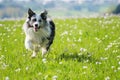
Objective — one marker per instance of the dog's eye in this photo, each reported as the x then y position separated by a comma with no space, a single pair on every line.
34,20
40,21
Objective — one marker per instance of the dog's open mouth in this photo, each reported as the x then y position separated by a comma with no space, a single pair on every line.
36,29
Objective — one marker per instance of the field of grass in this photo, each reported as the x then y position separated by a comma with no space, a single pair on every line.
83,49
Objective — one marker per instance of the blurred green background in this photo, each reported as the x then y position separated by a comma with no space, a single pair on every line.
58,8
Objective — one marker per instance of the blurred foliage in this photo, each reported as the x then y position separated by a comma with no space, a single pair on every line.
18,8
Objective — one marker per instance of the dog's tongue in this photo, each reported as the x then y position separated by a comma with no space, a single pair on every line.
36,29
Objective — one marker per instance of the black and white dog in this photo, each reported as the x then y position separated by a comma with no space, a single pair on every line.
39,31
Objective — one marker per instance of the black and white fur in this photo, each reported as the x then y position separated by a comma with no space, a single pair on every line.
39,31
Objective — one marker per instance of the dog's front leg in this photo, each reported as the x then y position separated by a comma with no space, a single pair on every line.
34,54
35,51
44,51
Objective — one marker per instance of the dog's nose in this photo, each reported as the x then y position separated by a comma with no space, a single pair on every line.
36,25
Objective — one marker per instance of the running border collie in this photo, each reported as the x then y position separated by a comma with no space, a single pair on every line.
39,31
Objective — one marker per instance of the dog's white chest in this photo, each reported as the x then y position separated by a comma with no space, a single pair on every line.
38,37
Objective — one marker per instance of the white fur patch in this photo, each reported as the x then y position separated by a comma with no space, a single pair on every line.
36,38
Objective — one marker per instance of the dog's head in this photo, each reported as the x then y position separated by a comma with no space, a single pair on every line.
36,20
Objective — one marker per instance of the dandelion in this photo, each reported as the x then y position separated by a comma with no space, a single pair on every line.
1,25
8,36
97,39
17,70
27,68
83,49
54,77
119,62
59,71
75,27
79,54
85,67
7,78
4,65
80,32
118,68
15,40
118,56
64,33
84,73
44,60
79,40
87,61
107,78
68,39
2,56
60,62
100,21
98,63
89,55
115,51
46,77
39,73
103,58
112,67
23,54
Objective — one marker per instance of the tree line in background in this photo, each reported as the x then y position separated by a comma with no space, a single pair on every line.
17,9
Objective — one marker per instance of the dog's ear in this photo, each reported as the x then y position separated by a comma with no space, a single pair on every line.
44,15
30,13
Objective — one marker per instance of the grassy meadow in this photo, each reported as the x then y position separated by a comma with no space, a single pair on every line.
83,49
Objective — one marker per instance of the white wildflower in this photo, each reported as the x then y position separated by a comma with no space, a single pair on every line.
118,56
60,62
64,33
97,39
1,57
98,63
107,78
106,36
46,77
79,54
7,78
27,68
119,62
68,39
84,73
1,25
118,68
112,67
4,66
85,67
44,60
80,32
54,77
17,70
79,40
104,58
15,40
83,49
39,73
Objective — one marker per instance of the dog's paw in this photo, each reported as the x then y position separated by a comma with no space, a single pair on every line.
32,56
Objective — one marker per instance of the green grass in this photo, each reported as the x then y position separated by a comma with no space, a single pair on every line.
83,49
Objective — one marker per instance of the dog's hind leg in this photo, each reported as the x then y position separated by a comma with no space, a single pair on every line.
35,51
44,51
